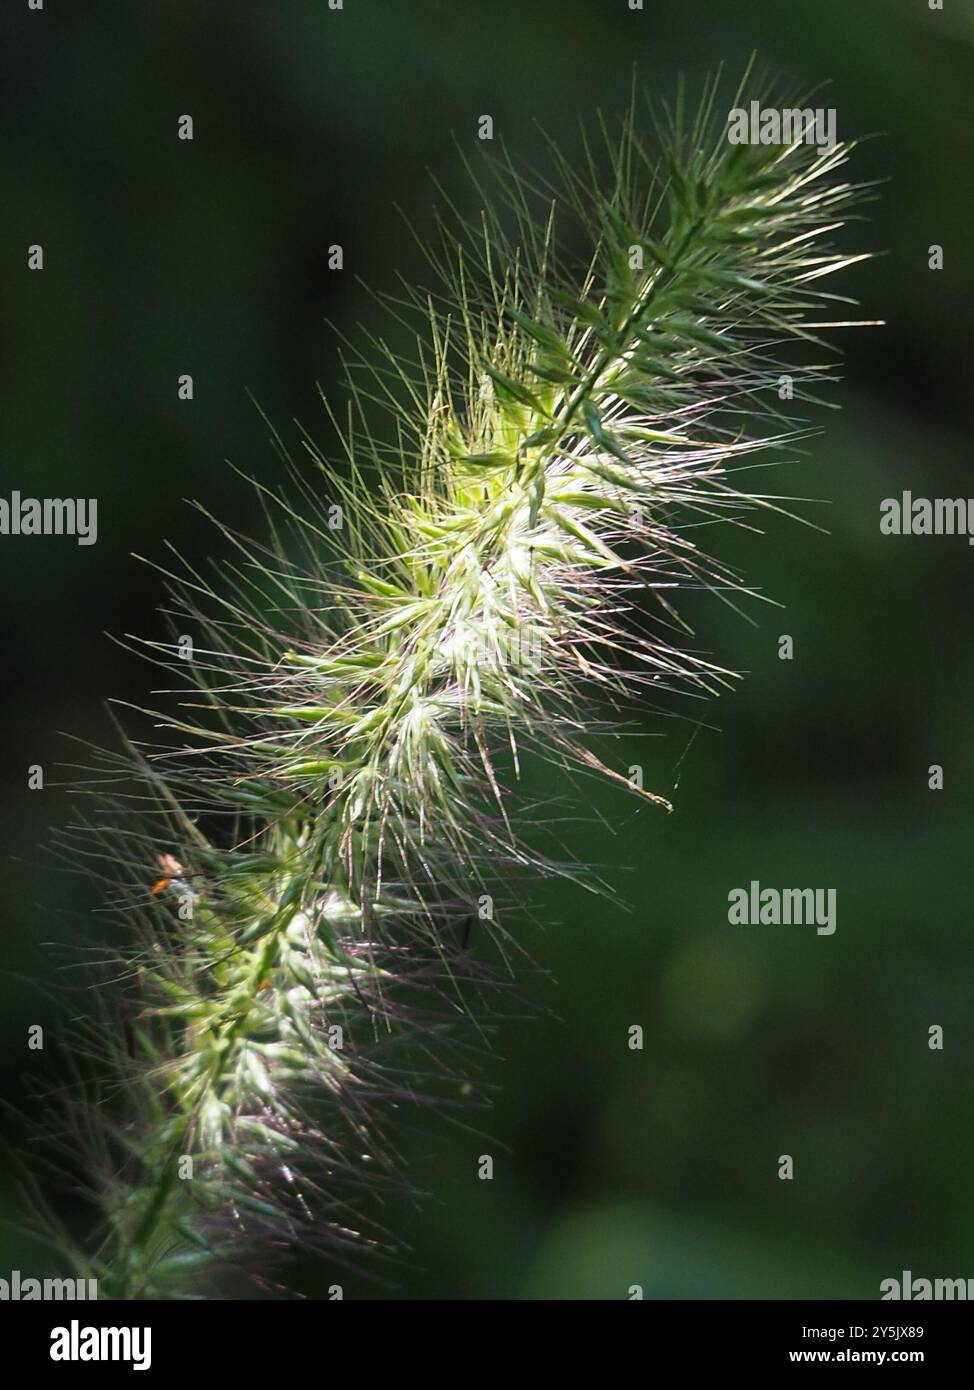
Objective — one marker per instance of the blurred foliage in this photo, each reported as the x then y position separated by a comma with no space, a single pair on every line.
613,1167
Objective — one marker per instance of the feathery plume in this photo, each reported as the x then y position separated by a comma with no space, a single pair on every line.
493,556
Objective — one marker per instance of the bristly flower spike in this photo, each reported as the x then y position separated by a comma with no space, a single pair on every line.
491,562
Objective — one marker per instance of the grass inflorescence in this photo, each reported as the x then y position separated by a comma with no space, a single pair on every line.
493,556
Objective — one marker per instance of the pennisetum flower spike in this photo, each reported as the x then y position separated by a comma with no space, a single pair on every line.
295,866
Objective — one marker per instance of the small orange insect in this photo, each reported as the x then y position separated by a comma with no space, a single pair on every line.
172,868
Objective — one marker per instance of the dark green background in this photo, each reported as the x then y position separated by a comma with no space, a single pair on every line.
612,1167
